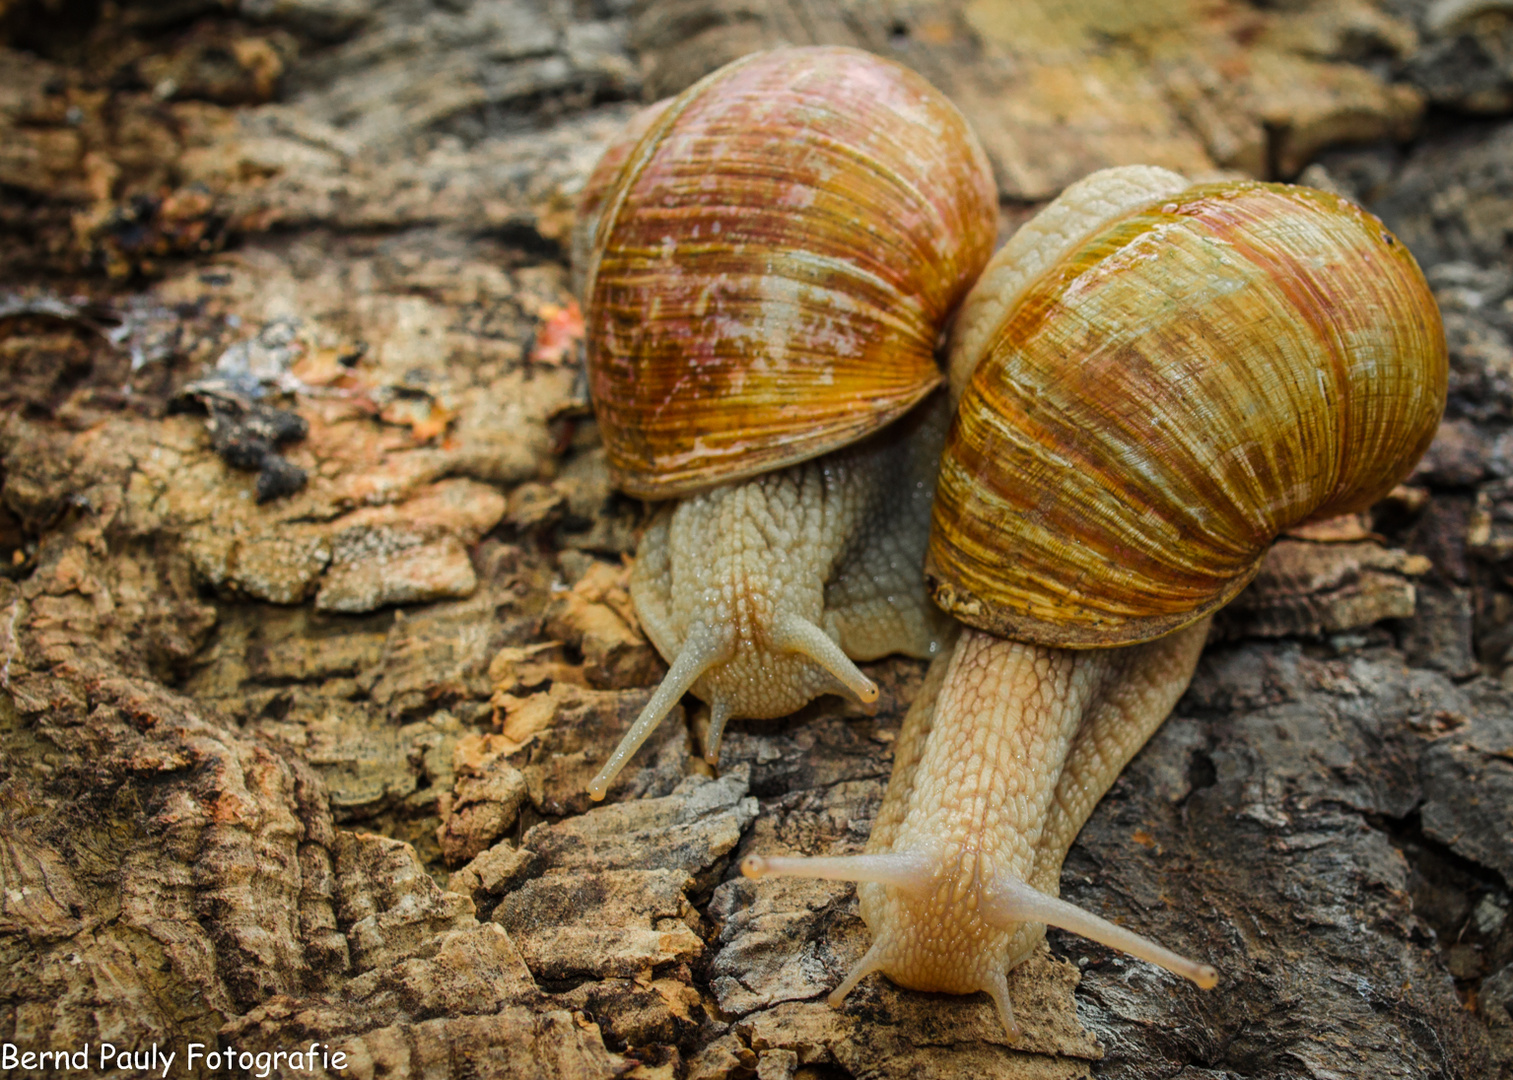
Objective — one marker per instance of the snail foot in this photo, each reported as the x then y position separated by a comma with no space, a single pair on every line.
1007,901
702,649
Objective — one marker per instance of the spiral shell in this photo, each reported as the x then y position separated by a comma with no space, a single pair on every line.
774,263
1166,394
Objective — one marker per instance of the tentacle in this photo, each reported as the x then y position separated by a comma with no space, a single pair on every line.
998,990
701,650
793,633
870,962
719,715
912,872
1008,901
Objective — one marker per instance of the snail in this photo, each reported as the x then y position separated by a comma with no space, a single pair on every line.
1154,379
769,272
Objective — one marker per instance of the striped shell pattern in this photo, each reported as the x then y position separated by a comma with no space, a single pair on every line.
1169,390
773,264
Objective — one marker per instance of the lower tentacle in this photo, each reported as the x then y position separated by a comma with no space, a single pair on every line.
872,960
997,988
719,716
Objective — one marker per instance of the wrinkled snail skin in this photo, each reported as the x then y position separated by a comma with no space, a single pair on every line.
769,272
1314,404
816,566
1000,761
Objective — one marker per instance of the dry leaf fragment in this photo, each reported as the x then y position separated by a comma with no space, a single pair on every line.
559,334
598,617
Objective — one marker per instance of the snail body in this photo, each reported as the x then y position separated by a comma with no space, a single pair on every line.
769,273
1154,379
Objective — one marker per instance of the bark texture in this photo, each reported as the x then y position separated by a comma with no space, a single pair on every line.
313,609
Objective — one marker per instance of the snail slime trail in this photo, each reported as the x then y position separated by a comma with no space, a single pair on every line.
1107,485
768,272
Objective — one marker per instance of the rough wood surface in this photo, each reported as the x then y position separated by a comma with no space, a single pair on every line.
313,622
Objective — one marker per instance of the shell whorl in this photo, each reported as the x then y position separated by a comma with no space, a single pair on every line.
772,268
600,183
1202,371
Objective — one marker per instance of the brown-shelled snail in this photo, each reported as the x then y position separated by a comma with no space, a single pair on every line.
1155,379
768,274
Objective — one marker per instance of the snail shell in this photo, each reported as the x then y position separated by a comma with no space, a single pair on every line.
599,184
772,268
1159,400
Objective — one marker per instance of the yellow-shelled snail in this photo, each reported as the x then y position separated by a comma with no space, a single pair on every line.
768,273
1155,379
